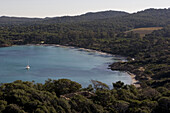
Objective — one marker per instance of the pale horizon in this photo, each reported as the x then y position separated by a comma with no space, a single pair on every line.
58,8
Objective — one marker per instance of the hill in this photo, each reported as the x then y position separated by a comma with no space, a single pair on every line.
87,17
146,18
5,20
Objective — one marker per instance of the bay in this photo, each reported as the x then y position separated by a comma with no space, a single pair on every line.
57,63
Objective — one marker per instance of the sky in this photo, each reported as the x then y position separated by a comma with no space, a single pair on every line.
53,8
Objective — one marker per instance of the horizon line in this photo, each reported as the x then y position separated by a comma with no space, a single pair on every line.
72,15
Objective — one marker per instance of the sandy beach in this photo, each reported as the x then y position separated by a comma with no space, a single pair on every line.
134,81
83,49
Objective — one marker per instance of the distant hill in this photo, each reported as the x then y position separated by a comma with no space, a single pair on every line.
87,17
146,18
150,17
5,20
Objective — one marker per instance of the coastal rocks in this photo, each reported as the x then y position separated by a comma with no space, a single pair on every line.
130,69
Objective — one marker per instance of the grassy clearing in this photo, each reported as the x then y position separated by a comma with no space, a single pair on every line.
144,31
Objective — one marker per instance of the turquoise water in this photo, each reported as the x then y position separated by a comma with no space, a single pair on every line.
56,63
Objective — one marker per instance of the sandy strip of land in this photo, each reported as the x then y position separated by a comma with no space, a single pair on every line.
134,81
83,49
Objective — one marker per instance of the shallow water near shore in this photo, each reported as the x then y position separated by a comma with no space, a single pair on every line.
56,63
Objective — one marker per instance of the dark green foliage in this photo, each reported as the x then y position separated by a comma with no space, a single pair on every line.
99,85
121,106
164,104
85,105
64,105
3,104
118,85
104,97
13,108
24,97
61,86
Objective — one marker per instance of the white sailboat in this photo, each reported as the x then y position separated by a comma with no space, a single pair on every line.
27,67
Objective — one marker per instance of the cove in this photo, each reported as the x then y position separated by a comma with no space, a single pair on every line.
57,63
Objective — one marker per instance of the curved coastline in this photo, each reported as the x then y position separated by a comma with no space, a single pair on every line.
134,82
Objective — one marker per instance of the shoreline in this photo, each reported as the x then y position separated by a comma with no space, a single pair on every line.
134,82
81,49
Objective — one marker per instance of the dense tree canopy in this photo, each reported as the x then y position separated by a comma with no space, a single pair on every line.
23,97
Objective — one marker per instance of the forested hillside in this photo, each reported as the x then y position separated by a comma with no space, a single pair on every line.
146,18
86,17
5,20
148,58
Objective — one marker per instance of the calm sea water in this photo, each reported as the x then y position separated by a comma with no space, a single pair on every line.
56,63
